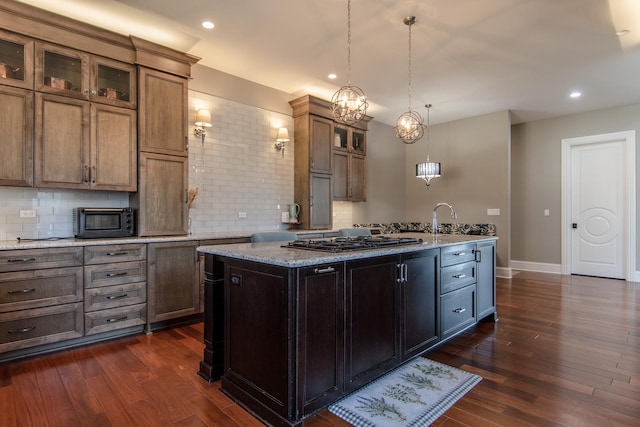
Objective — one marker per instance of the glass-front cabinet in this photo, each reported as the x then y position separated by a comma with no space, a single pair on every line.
349,139
16,60
77,74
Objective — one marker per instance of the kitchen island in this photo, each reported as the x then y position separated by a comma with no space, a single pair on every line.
291,331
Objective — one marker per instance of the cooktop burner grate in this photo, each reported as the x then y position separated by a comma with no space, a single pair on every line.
343,244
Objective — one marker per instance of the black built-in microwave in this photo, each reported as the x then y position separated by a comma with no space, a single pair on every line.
102,223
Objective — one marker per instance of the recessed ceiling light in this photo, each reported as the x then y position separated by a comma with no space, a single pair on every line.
575,94
208,25
332,76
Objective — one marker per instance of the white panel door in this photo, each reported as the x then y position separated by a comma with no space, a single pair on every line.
598,191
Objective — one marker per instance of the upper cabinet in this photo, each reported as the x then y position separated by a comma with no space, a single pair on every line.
325,152
70,111
16,60
349,150
163,113
77,74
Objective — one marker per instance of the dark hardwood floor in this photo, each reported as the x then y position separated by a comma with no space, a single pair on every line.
566,352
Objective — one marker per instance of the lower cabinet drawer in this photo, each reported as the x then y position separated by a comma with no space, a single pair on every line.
115,274
28,328
458,310
115,318
457,276
115,296
23,290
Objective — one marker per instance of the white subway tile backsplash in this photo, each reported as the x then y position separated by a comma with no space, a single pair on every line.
237,170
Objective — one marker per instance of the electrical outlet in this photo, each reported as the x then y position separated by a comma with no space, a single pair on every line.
546,212
242,214
493,212
28,214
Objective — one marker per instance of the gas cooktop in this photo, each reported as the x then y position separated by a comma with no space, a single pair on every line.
343,244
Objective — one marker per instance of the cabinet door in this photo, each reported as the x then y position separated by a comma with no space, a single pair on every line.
357,192
485,280
62,158
321,143
320,338
114,153
16,56
172,278
372,316
62,71
340,175
16,149
113,82
320,204
419,325
161,200
162,113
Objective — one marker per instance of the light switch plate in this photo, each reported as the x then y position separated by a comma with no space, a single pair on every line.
493,212
28,214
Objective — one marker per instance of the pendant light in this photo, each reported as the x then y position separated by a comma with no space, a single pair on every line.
349,104
409,126
428,170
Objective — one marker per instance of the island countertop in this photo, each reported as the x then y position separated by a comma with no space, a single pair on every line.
273,253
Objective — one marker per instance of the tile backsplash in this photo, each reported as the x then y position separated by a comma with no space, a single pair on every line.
237,171
53,208
243,183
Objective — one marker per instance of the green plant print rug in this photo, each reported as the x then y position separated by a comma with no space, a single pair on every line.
413,395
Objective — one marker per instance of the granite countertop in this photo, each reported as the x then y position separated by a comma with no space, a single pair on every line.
273,253
61,243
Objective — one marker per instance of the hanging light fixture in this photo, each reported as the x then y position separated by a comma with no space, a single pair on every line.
409,126
428,170
349,104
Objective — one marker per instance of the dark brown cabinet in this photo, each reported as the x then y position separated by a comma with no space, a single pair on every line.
486,280
320,346
323,331
419,323
372,315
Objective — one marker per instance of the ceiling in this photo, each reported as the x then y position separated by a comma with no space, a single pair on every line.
469,57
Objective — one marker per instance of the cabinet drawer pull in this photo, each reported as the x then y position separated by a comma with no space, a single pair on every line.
23,330
22,260
23,291
122,273
459,310
459,276
324,270
117,253
460,254
117,296
117,319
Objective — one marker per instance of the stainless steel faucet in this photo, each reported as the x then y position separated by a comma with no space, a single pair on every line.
434,224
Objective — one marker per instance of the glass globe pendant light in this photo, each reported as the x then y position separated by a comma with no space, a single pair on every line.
428,170
349,104
410,125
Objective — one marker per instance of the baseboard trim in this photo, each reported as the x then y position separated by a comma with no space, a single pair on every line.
504,272
540,267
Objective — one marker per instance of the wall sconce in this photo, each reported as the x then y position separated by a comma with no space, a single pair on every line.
281,139
203,121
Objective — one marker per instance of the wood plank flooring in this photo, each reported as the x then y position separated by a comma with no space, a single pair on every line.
566,352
